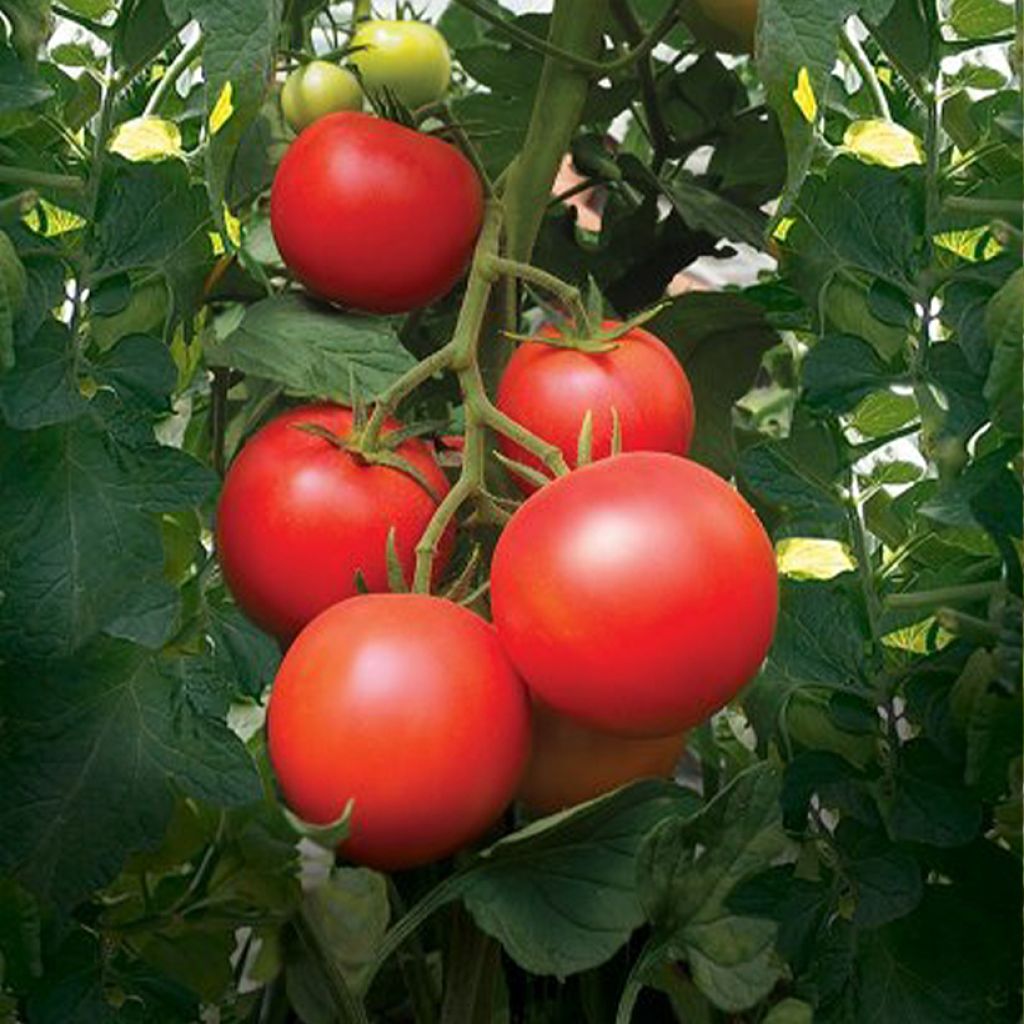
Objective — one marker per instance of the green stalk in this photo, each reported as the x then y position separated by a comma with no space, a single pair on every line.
926,599
576,27
40,179
471,969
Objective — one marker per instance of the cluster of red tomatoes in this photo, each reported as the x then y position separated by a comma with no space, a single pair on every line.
630,598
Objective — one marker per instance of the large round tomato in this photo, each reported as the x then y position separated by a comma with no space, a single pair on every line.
638,594
374,215
410,58
724,25
570,762
317,89
299,517
406,705
550,390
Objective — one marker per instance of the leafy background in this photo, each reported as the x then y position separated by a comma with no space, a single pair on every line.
847,844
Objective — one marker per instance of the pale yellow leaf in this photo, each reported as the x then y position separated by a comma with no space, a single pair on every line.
233,227
146,139
803,96
813,558
877,141
222,109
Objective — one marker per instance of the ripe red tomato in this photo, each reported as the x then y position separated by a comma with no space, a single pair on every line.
549,390
374,215
406,705
570,762
637,595
298,517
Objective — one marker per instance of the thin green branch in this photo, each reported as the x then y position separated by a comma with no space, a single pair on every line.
41,179
983,207
925,599
861,61
597,68
568,293
177,68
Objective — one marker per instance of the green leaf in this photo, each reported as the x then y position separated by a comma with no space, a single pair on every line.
790,1011
704,210
150,215
560,894
794,481
243,654
841,370
19,87
91,753
858,216
930,804
238,64
313,349
975,19
720,338
886,879
78,534
819,642
41,389
687,867
1004,325
797,44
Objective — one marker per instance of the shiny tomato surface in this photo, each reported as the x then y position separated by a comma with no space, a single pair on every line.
406,705
549,390
637,595
570,762
374,215
299,517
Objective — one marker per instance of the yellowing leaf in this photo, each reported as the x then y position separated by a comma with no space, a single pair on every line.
783,228
222,109
233,227
146,139
50,220
883,142
920,638
803,96
217,243
812,558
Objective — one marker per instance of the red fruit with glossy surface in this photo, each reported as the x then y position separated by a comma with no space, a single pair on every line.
299,517
374,215
570,762
406,705
651,596
549,390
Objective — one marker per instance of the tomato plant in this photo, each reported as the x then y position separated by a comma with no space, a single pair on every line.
344,197
317,89
649,562
249,372
636,390
408,58
302,522
388,672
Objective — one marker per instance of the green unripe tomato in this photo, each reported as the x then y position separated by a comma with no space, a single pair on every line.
724,25
410,58
316,89
13,272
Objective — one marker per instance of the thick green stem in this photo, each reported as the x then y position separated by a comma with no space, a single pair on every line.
983,207
576,26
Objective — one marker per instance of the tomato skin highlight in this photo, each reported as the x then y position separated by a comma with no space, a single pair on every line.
651,596
549,390
373,215
298,517
410,58
571,763
407,705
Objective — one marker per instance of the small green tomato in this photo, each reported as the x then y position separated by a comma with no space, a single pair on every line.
316,89
410,58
